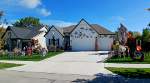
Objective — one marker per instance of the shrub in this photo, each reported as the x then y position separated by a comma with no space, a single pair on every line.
17,51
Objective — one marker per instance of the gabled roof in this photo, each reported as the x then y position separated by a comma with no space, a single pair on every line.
68,29
59,30
20,32
99,29
24,32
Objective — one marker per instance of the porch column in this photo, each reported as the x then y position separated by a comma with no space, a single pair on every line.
9,45
19,43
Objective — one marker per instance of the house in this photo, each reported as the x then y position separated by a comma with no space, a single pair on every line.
19,37
80,37
54,37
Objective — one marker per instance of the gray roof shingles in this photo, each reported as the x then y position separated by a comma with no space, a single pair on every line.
98,28
24,32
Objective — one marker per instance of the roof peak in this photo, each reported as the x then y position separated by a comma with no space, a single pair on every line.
122,25
83,20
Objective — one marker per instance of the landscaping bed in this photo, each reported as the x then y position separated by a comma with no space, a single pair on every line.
8,65
129,60
131,72
34,57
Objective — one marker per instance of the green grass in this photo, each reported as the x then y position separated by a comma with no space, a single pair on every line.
34,57
131,72
8,65
129,60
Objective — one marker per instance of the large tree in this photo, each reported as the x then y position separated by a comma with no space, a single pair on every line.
27,21
146,39
1,15
2,30
146,35
137,35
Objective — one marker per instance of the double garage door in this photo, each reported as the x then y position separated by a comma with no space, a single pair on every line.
88,44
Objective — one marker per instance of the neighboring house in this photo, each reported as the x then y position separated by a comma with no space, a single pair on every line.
19,37
81,37
54,37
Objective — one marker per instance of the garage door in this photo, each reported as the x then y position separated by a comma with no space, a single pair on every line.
85,44
105,44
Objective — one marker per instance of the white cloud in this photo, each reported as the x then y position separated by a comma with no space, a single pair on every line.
44,12
117,18
58,23
35,4
30,3
32,6
5,25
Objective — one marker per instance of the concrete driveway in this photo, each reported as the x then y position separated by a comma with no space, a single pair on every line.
82,63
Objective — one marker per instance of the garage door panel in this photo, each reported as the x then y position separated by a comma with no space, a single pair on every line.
105,44
85,44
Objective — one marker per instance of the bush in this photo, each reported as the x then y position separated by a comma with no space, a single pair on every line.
17,51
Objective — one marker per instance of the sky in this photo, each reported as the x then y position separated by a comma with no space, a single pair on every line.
107,13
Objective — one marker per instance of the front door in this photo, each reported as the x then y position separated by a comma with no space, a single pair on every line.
67,43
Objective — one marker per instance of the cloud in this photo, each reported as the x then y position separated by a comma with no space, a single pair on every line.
44,12
58,23
29,6
35,4
30,3
4,25
117,18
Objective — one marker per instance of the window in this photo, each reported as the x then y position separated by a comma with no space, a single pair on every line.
53,41
49,41
57,42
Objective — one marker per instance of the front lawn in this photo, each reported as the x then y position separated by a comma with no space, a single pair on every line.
129,60
34,57
131,72
8,65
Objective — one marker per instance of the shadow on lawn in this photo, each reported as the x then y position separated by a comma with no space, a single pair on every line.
109,78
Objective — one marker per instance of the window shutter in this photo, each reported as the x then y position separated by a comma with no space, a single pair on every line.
58,41
49,41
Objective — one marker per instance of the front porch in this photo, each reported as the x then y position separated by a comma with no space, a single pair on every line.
17,43
54,44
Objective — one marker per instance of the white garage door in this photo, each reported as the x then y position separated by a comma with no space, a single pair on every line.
105,44
85,44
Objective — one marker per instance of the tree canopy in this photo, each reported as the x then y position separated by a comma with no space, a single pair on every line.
27,21
1,13
146,35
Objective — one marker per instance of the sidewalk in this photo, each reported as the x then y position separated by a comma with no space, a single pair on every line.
18,62
127,65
